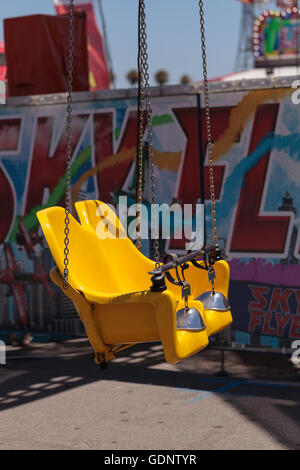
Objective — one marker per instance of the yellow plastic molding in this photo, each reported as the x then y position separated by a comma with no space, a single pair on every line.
109,285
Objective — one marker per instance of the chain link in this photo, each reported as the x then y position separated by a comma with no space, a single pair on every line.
141,42
145,113
208,127
68,189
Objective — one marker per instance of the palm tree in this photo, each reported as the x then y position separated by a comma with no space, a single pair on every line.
133,77
185,79
161,77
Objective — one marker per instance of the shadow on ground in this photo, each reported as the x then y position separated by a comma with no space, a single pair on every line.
263,387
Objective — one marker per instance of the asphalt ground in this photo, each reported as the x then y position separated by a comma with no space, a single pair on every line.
52,397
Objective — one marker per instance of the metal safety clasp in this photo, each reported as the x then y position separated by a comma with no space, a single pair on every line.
211,277
185,292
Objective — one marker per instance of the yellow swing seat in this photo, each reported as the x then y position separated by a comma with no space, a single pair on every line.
109,284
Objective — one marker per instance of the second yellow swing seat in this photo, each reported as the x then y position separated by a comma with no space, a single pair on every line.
109,284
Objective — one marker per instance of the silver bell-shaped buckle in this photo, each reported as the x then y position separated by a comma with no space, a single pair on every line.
214,300
190,319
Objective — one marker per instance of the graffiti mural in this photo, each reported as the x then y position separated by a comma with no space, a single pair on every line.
257,185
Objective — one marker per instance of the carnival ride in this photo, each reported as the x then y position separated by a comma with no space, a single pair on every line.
122,297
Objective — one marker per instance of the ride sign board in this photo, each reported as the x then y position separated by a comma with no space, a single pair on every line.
257,188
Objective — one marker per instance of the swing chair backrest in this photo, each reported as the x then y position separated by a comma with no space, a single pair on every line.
87,266
128,263
107,265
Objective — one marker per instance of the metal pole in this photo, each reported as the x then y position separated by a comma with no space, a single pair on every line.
222,372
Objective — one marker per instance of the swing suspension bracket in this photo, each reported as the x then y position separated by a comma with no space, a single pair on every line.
208,255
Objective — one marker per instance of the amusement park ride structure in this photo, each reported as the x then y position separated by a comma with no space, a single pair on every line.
110,291
244,55
122,297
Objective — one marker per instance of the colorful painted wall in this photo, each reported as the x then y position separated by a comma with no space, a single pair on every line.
257,183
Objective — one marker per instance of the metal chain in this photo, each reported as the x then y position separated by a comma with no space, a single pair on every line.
153,194
208,127
145,112
151,158
68,189
141,43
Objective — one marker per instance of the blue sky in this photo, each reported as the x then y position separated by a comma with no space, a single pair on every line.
173,34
